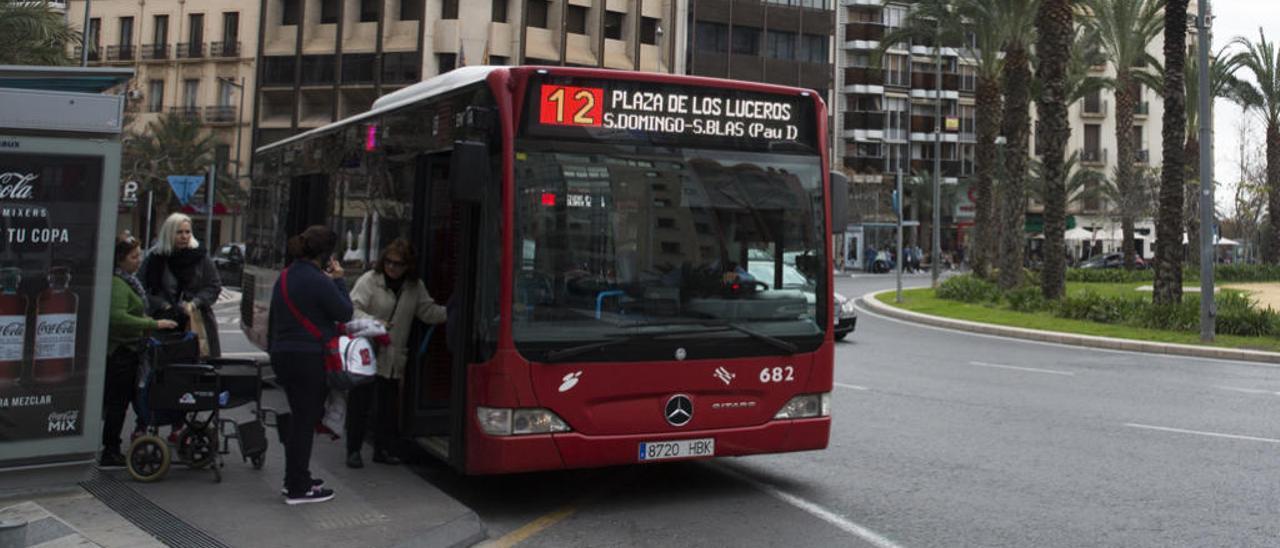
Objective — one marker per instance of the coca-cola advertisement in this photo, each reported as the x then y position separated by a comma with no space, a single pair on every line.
49,223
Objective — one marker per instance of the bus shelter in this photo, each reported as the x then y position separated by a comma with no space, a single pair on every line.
59,188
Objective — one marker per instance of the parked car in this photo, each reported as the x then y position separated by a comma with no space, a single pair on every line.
229,260
1112,260
846,316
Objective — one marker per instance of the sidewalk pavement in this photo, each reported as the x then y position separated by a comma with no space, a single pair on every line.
378,505
870,302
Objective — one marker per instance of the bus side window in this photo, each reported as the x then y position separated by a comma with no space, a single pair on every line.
309,195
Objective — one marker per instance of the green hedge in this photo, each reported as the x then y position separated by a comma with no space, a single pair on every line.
1222,273
1237,315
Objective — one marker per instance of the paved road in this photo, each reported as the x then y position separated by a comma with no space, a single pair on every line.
950,439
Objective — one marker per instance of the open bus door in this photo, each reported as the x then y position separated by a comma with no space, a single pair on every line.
446,233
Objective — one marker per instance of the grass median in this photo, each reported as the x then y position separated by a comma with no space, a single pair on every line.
924,301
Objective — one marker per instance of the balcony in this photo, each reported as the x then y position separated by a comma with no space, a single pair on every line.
923,124
121,53
1094,109
928,81
1142,108
188,112
863,75
864,31
864,119
192,50
224,49
1094,157
1142,157
155,52
222,114
95,53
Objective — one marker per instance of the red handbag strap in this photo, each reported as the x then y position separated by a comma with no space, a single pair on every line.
306,324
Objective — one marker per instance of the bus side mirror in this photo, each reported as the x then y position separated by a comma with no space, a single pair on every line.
839,202
469,171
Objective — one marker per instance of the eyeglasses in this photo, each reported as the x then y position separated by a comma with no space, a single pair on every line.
397,264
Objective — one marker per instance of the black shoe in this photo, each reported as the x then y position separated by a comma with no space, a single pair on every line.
383,457
354,460
111,459
315,494
315,482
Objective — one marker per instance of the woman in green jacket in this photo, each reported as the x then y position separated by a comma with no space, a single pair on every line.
128,324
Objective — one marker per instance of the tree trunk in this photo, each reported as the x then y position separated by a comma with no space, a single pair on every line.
1191,213
1053,21
1125,105
1168,278
1273,190
1016,127
982,250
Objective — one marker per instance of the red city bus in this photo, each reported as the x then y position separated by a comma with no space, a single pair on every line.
591,231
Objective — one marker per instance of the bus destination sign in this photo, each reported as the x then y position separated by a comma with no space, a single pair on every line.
669,114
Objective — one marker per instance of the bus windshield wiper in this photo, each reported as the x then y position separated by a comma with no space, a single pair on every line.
572,351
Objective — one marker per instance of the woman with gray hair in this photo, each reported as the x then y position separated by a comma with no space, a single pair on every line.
177,272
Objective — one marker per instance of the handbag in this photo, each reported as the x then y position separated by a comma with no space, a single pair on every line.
336,372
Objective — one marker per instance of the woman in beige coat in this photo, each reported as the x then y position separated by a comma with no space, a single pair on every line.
393,294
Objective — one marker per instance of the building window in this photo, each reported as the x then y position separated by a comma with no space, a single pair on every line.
195,35
411,10
499,60
446,62
318,69
291,9
190,93
713,37
401,68
155,96
225,89
782,45
896,73
126,32
95,33
499,11
648,30
369,10
230,32
537,16
160,34
328,12
449,9
278,70
575,20
813,48
613,24
746,40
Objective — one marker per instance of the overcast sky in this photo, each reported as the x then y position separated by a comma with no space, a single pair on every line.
1234,18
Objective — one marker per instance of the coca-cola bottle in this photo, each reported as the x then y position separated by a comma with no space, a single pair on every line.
13,326
55,342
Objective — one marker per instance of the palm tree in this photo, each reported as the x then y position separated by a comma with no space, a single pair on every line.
1056,33
33,33
1222,83
170,145
1261,59
1017,19
1168,268
1124,29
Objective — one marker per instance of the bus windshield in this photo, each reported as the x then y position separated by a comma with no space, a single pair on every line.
618,245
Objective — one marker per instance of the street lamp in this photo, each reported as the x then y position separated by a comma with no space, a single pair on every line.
1207,308
239,130
84,45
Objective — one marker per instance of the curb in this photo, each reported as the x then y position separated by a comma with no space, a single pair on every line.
870,302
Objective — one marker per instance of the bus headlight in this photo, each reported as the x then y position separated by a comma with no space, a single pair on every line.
502,421
805,406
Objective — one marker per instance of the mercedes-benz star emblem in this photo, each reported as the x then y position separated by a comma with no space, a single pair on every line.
679,410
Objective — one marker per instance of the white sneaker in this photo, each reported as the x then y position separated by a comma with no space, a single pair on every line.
315,494
315,482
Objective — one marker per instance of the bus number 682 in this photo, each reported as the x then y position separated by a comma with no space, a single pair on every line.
777,374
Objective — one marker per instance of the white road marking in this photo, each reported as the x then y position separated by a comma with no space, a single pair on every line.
1250,390
1028,369
1074,347
813,509
851,386
1200,433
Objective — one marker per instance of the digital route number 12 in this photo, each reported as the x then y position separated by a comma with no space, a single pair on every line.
571,106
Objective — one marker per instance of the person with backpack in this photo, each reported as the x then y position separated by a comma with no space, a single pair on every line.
308,302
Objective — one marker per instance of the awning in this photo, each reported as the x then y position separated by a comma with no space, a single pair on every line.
1035,222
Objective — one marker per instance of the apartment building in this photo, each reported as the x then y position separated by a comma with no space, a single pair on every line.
324,60
192,59
886,121
787,42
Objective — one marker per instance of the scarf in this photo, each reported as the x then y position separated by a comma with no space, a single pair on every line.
132,281
184,263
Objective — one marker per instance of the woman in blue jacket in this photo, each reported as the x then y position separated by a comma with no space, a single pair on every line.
316,292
